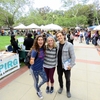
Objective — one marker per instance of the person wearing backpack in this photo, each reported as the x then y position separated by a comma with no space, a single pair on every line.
36,67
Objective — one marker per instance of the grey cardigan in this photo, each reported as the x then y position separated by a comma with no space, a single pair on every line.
67,53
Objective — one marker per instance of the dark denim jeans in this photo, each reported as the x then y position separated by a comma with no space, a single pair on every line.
67,73
87,40
36,75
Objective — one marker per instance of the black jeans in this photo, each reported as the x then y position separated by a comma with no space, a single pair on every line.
67,73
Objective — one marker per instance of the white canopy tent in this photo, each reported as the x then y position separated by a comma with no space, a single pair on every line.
42,27
33,26
52,27
97,27
77,28
21,26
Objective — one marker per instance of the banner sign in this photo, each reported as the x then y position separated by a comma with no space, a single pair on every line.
9,65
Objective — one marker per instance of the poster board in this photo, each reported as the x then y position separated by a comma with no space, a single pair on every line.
9,62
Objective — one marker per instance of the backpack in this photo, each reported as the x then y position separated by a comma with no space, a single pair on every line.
27,59
9,48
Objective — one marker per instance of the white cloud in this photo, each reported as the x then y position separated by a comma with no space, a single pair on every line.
53,4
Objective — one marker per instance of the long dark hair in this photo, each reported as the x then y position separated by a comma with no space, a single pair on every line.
36,46
12,39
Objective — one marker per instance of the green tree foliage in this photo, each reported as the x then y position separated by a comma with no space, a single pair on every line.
16,8
76,13
5,18
96,11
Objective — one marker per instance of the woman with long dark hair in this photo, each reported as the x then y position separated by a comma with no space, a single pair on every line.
14,43
36,61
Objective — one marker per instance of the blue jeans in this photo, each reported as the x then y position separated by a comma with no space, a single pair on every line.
35,75
87,40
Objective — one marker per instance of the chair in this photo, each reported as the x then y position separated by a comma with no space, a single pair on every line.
9,48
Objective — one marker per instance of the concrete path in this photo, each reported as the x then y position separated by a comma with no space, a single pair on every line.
85,79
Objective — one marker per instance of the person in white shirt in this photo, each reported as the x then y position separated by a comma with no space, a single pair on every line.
81,36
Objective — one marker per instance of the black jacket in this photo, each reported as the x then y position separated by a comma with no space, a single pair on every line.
28,42
15,46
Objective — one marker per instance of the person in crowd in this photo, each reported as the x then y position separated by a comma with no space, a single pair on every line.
70,37
48,34
96,35
54,35
81,36
2,32
44,36
14,43
65,51
88,37
38,32
36,61
76,35
28,41
50,63
35,34
85,34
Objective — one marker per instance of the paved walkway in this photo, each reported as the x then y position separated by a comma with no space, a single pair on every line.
85,79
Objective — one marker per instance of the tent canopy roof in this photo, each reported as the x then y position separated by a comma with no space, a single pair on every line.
21,26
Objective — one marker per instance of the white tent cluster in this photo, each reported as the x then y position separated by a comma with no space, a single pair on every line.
95,27
21,26
34,26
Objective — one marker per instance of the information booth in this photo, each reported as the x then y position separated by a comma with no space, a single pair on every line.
9,62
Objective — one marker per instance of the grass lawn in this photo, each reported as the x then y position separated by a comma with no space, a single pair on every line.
5,40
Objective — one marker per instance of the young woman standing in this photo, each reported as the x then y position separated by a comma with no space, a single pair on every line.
36,61
50,63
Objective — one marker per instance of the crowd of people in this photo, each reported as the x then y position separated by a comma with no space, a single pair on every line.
84,35
49,52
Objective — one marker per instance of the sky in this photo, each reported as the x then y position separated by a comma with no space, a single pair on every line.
53,4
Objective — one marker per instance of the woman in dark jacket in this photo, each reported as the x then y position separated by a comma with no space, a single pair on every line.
14,44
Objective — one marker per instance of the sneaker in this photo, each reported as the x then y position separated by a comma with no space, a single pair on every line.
40,95
47,89
68,94
60,90
52,90
40,91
